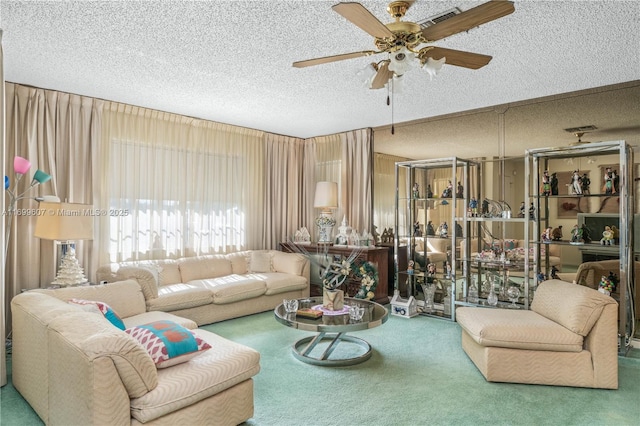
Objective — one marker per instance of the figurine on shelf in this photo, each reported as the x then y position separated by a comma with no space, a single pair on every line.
607,285
448,191
429,191
430,230
586,234
473,207
607,236
576,182
616,182
448,268
556,234
554,272
608,181
416,190
416,229
532,212
431,269
546,183
410,267
576,235
554,183
485,208
616,234
546,235
459,191
444,230
523,209
585,182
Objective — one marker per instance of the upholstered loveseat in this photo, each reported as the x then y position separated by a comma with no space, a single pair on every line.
212,288
568,338
76,368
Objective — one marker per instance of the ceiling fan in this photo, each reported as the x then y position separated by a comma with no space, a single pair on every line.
402,40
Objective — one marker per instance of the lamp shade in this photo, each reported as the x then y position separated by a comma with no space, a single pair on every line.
40,177
65,222
326,195
21,165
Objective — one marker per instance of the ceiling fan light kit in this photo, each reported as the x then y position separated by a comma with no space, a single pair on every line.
402,40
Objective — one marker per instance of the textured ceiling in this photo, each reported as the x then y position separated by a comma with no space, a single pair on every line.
230,61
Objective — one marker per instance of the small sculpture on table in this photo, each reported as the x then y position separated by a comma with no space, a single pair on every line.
410,267
556,234
554,183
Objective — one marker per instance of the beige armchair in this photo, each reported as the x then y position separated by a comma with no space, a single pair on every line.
589,274
568,338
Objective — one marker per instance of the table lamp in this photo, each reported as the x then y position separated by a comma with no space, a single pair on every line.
65,223
326,198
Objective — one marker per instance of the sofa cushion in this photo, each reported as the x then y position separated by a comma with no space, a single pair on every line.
222,367
146,276
278,282
168,343
100,308
179,296
124,297
232,288
579,316
516,329
260,261
239,262
289,263
95,337
153,316
200,267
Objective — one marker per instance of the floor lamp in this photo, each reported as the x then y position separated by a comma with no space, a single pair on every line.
65,223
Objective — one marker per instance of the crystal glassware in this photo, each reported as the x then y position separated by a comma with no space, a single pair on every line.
290,306
356,312
513,293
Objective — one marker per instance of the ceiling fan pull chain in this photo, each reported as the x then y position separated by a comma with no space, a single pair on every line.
390,101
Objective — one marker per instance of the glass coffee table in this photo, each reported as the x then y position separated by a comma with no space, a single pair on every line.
333,327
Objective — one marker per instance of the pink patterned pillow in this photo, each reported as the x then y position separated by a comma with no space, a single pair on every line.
168,343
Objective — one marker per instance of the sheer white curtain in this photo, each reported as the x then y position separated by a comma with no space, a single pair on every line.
176,186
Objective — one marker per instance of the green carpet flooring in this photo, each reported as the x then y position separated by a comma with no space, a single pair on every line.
418,374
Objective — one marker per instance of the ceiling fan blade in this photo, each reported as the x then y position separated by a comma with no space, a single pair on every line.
382,76
333,58
468,19
360,16
458,58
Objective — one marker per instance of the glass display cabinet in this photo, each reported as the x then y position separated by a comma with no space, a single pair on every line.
432,210
594,198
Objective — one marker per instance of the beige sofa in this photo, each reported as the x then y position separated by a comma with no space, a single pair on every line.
568,338
212,288
75,368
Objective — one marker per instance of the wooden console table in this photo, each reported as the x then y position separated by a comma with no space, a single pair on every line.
379,256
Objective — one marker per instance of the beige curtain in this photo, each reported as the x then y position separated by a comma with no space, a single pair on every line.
176,186
384,186
284,188
54,131
345,158
3,294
